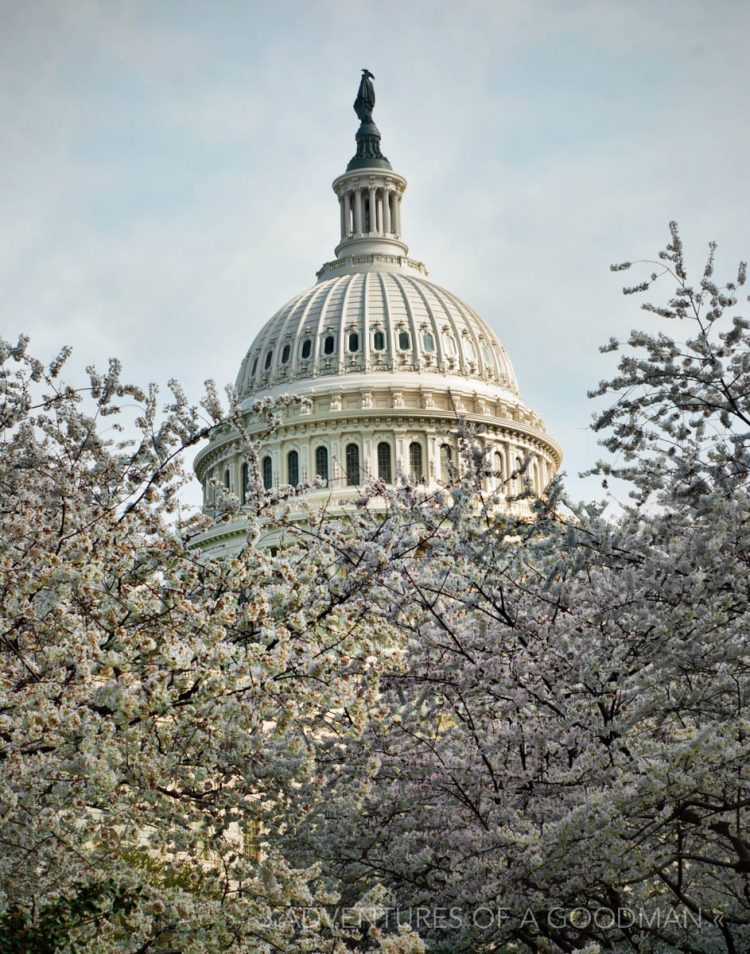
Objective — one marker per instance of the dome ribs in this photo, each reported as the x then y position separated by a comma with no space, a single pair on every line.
400,284
300,305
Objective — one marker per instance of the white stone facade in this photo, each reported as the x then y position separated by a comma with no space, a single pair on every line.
389,362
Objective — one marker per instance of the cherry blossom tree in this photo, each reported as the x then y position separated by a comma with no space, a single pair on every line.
500,730
159,713
563,763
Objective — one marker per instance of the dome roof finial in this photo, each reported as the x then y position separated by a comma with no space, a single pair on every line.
368,153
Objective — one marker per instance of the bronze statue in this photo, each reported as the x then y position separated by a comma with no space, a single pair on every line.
368,153
365,101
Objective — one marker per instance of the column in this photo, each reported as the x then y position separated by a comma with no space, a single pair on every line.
386,210
379,206
397,213
335,467
343,217
358,212
347,213
373,211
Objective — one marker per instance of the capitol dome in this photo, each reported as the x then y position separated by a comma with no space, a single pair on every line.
388,362
375,321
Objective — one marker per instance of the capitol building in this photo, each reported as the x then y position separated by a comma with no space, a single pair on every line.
388,361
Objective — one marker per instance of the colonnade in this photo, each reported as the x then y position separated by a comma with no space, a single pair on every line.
370,210
503,457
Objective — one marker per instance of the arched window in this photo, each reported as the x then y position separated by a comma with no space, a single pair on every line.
354,341
352,464
497,466
245,483
285,353
534,475
384,462
329,344
415,460
226,478
428,342
404,341
306,348
267,468
292,467
321,462
378,341
446,457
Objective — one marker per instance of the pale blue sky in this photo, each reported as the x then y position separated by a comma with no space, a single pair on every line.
166,170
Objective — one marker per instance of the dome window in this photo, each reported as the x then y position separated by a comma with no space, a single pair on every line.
428,342
497,463
255,368
306,348
404,341
285,353
226,479
471,351
352,464
415,460
384,462
446,458
486,354
267,468
329,344
292,467
321,463
269,359
354,341
245,483
450,346
378,341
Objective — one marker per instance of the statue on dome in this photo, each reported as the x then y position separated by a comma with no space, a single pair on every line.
365,101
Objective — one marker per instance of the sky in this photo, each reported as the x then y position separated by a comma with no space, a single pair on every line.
166,170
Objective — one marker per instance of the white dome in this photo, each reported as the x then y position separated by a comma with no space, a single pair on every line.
387,364
374,321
